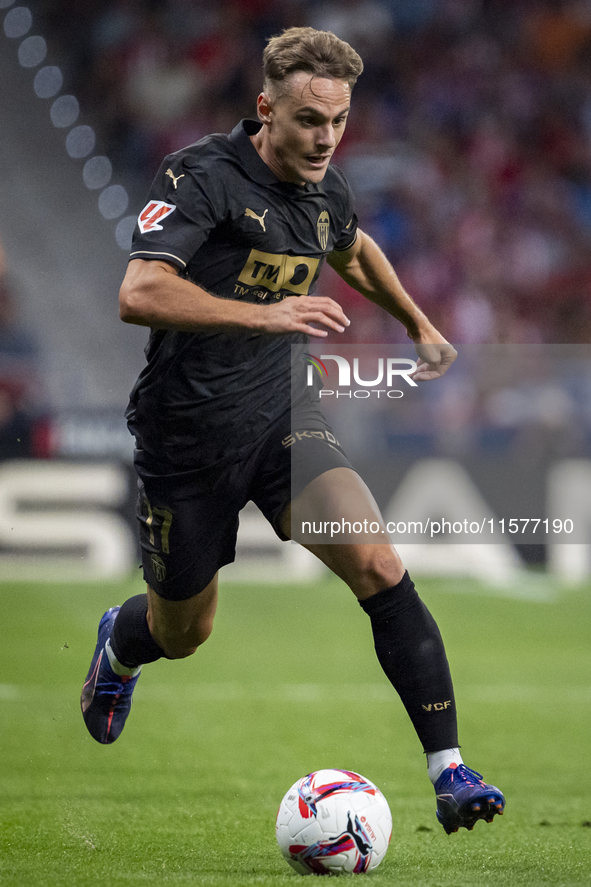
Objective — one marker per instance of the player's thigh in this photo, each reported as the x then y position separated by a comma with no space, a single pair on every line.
337,506
179,627
338,520
187,530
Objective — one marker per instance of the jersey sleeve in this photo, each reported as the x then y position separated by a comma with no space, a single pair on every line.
185,204
348,235
348,232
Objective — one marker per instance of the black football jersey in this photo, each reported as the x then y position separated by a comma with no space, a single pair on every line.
219,214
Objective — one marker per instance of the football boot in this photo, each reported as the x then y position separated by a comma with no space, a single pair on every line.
463,798
106,696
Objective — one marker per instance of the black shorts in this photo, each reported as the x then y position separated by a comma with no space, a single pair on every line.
189,518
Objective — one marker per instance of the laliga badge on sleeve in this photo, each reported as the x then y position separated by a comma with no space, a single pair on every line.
153,213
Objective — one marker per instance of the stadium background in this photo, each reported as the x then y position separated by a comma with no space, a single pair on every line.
469,149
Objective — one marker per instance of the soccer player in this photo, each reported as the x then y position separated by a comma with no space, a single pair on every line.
223,264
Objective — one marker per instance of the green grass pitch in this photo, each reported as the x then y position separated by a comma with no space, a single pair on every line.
287,684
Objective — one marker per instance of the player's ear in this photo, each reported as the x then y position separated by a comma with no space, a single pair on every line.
264,108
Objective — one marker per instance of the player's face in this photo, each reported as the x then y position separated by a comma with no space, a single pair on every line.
303,128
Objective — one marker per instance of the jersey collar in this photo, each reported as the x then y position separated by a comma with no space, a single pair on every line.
254,164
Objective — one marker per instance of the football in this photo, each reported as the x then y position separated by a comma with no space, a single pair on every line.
333,822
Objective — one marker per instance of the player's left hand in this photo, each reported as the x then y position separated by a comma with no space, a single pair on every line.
434,360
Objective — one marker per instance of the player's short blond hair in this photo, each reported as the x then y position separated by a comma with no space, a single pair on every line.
320,53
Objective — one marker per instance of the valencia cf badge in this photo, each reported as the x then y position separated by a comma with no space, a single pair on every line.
322,228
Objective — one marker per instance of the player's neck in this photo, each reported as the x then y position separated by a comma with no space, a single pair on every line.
267,155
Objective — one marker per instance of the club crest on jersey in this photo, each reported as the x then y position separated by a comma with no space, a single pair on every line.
152,214
322,229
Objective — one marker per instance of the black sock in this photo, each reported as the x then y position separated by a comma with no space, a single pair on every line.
410,650
131,641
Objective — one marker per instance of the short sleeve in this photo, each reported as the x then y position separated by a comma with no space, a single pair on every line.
347,235
184,205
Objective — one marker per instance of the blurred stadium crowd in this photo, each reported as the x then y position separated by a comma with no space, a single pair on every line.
23,431
469,145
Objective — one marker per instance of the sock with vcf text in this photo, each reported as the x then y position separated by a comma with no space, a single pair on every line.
410,650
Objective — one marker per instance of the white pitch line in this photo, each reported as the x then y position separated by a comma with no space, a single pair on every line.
373,693
527,693
293,693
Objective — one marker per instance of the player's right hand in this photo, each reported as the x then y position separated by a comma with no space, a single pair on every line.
296,314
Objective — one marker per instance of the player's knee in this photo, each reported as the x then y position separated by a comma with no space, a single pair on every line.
175,650
380,569
202,631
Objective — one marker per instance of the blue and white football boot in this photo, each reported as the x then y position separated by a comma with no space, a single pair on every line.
463,798
106,696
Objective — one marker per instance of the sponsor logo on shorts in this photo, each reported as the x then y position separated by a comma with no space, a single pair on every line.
159,568
326,436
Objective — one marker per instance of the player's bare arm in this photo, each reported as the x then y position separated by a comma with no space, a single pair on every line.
153,294
365,267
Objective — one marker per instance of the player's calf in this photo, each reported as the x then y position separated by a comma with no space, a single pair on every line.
410,650
180,627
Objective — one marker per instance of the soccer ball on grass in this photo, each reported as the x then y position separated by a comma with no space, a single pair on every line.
332,822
